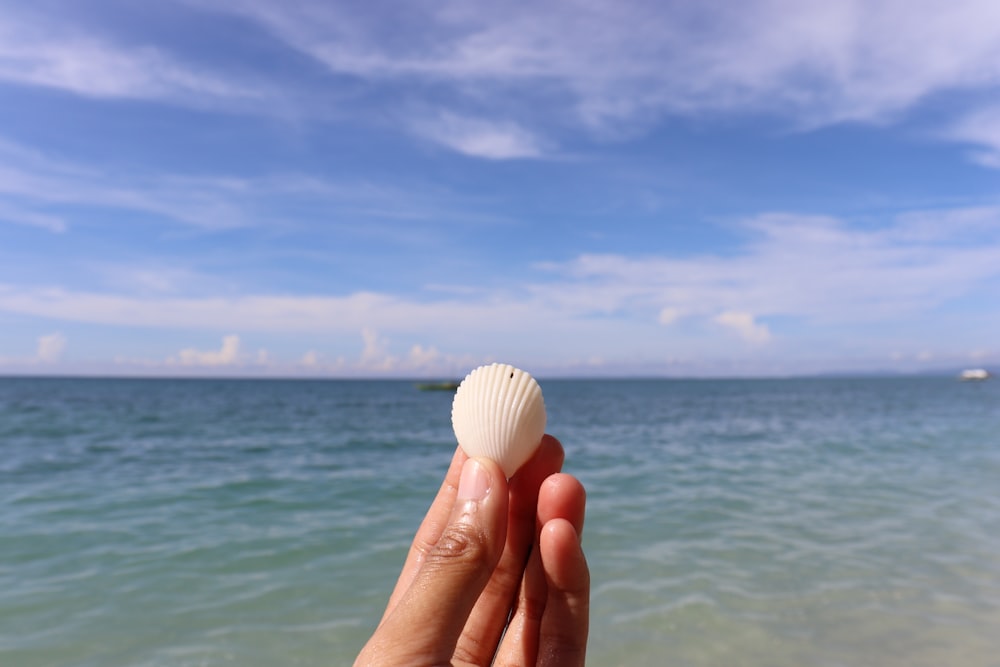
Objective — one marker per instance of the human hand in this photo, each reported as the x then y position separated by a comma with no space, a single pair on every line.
496,573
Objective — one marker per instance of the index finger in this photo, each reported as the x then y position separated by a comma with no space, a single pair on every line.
430,529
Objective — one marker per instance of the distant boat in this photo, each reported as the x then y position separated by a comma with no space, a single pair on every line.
974,375
438,386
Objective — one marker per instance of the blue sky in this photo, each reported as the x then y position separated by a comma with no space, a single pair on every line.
304,187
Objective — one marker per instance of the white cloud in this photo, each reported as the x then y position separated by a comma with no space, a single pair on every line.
227,355
420,360
812,267
745,325
495,140
376,358
37,51
375,354
423,357
51,348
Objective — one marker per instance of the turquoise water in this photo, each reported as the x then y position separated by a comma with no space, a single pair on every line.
830,522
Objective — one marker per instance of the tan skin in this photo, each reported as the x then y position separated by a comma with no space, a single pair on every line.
496,574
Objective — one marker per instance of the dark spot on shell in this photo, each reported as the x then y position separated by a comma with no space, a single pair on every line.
511,376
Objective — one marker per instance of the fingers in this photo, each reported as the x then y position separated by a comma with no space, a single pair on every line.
562,496
566,621
425,624
549,624
520,643
488,619
467,565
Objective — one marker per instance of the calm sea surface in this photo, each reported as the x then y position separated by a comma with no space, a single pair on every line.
830,522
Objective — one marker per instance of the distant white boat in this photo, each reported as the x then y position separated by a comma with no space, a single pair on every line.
974,375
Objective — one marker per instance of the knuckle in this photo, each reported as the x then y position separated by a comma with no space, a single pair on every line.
460,546
469,650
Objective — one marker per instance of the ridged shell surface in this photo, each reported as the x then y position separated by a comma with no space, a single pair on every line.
498,413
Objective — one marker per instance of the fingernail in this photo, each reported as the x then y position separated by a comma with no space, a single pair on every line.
475,481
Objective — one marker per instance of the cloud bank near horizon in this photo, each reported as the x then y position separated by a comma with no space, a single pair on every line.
797,278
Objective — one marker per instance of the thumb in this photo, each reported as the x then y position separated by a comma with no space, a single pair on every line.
432,613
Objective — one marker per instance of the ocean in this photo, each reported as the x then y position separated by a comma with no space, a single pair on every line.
793,522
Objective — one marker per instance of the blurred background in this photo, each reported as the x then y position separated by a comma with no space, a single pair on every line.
582,188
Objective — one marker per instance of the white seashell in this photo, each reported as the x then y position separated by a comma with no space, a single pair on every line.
498,413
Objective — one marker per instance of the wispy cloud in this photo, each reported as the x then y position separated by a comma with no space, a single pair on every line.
40,188
980,128
500,75
12,213
39,51
617,65
35,184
